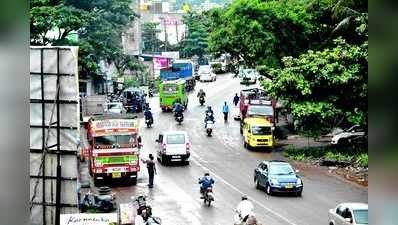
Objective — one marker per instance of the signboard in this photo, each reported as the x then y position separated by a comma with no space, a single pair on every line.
89,219
173,55
161,62
115,124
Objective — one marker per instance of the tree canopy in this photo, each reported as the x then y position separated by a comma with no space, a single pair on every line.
195,41
100,26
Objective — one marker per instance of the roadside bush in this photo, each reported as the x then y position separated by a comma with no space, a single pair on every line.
217,68
337,156
340,155
362,160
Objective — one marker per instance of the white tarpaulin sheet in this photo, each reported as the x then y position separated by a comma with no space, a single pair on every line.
47,64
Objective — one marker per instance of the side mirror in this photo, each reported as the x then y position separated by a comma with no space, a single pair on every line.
348,220
157,140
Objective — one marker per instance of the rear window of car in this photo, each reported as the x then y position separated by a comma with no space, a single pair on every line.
361,216
176,139
204,68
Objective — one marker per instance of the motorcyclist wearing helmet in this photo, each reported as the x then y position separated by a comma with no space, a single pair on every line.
209,115
206,182
201,93
148,114
177,107
244,210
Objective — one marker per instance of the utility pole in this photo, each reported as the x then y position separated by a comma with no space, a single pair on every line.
176,23
165,34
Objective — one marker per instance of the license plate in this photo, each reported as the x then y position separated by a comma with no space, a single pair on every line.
116,175
176,157
289,186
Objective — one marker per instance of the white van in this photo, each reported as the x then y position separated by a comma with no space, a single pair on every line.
173,146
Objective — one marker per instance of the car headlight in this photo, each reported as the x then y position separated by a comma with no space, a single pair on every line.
274,181
299,182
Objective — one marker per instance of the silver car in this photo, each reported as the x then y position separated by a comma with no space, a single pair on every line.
349,214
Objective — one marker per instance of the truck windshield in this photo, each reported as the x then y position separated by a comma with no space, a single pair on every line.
170,88
115,139
261,110
261,130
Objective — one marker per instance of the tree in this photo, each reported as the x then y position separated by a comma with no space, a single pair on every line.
261,32
195,42
99,24
150,39
324,89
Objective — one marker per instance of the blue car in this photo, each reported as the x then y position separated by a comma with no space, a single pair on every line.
277,177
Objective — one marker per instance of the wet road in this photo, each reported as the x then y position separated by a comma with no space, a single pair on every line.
175,197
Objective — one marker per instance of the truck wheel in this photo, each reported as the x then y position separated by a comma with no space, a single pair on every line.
133,181
97,182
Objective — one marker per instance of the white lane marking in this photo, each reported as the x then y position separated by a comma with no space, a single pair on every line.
240,192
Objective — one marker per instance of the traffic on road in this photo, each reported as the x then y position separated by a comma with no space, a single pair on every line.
205,177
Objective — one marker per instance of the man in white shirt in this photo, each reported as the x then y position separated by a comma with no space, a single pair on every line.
243,210
138,220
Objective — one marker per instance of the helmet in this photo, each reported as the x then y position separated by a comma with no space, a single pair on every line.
244,197
207,174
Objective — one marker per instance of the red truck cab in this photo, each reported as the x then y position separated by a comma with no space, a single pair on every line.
255,103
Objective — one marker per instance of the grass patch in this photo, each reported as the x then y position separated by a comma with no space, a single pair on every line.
357,157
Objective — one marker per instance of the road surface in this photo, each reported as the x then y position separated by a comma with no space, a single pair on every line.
175,197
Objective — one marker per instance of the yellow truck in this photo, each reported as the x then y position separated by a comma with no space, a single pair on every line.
258,132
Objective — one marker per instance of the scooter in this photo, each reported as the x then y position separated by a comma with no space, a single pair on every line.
179,117
209,127
104,202
208,196
202,100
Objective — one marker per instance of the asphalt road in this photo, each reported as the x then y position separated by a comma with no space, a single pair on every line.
175,197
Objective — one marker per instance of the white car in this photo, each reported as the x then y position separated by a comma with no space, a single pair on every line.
347,136
114,108
249,76
349,214
206,73
173,146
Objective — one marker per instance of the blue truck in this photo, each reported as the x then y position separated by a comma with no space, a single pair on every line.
180,69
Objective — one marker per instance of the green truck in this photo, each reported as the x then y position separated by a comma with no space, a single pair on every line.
170,91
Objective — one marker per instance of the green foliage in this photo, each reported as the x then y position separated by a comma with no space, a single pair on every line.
149,37
362,160
195,43
332,154
217,68
100,25
260,32
324,89
131,82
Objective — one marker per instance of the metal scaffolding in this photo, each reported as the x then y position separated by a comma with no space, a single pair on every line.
52,144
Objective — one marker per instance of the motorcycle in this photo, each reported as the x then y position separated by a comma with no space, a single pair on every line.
202,100
208,196
209,127
104,201
146,211
148,122
179,117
